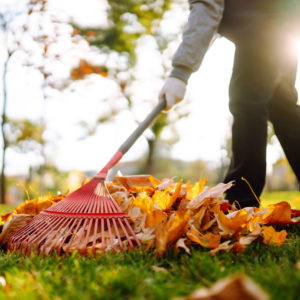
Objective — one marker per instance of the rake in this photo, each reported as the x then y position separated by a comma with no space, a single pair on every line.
88,220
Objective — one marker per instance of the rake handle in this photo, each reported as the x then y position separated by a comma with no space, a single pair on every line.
142,126
132,138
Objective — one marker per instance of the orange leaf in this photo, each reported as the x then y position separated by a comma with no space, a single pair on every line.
155,217
161,236
90,33
177,226
273,237
75,31
208,240
280,213
238,247
232,224
176,193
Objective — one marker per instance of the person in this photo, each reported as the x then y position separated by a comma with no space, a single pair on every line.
262,86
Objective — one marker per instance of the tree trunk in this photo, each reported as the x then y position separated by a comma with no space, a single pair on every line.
149,168
4,139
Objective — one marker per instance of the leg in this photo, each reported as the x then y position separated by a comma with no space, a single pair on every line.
285,113
252,84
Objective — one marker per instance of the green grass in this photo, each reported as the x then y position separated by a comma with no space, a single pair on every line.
293,197
6,208
130,275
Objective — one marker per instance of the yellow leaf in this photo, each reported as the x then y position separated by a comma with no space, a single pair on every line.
155,217
144,202
163,199
192,192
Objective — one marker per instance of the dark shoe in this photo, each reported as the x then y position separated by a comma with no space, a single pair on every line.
241,194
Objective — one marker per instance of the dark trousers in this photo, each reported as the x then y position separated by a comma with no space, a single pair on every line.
262,89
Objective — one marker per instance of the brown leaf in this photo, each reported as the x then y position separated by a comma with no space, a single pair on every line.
239,287
225,246
16,223
248,239
181,244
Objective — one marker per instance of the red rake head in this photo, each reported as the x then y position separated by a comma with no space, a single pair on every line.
88,221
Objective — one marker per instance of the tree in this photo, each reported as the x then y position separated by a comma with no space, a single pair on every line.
128,23
33,22
11,43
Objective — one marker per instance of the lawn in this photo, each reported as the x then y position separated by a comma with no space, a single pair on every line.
293,197
130,275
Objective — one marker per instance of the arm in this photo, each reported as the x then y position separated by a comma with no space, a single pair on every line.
204,19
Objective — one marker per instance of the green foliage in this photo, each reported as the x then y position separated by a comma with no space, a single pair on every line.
131,275
24,132
127,21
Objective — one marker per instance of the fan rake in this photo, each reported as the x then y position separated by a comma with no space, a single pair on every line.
87,221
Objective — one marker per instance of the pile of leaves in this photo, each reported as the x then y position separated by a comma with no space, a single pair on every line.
165,213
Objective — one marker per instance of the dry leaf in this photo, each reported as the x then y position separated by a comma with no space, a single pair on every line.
280,213
166,214
181,244
208,240
272,237
239,288
159,269
12,226
214,192
248,239
232,222
225,246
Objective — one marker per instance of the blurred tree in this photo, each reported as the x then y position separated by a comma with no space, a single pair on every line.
10,44
127,23
32,32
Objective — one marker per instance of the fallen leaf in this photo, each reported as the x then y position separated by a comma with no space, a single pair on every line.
161,239
248,239
239,287
207,240
193,191
280,213
213,192
159,269
16,223
181,244
225,246
232,222
272,237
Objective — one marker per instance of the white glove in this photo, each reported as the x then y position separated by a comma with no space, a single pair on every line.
174,90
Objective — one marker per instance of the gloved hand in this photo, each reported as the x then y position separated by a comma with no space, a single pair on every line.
174,90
